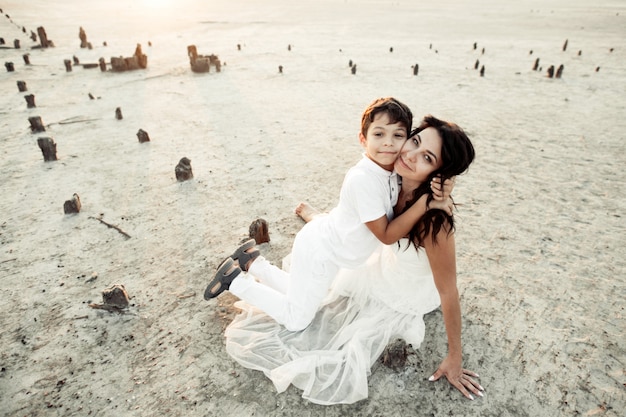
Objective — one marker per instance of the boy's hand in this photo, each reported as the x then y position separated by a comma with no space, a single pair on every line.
441,189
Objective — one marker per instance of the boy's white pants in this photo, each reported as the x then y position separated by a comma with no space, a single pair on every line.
291,298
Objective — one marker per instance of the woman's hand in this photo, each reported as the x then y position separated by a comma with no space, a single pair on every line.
460,378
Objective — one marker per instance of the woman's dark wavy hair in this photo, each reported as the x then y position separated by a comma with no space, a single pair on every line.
457,153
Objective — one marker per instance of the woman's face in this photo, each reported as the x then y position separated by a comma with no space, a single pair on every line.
420,156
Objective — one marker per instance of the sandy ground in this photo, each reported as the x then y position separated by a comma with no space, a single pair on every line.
541,255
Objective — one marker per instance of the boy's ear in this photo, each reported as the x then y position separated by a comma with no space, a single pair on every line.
362,139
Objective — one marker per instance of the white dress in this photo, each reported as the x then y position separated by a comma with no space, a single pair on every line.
366,308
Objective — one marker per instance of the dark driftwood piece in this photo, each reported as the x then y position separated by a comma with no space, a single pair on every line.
48,148
142,135
183,170
36,125
118,113
259,231
30,101
21,86
115,299
73,205
112,226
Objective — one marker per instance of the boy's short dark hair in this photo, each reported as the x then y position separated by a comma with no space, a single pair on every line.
398,113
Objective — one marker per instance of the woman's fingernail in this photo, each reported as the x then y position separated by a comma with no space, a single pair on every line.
480,394
432,378
471,397
481,388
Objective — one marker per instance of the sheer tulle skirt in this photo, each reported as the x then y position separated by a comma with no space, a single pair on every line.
330,360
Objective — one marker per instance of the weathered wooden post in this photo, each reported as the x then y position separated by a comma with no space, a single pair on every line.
68,65
118,113
26,58
551,71
103,65
565,45
142,135
75,59
416,69
482,71
476,64
21,86
536,64
36,125
30,101
83,37
48,148
9,66
43,38
559,71
280,69
183,170
73,205
353,70
2,42
33,36
16,43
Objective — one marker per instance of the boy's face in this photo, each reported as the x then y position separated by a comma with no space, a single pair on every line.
383,141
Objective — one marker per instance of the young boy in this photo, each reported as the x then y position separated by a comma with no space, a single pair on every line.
345,237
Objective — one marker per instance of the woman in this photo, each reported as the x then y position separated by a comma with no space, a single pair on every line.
367,308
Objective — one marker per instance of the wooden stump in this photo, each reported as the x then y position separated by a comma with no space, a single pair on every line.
218,65
395,354
75,59
559,71
476,64
72,206
118,113
565,45
36,125
280,69
83,37
43,38
48,148
353,70
68,65
21,86
551,71
482,71
33,36
183,170
16,43
536,64
103,65
142,135
9,66
26,58
30,101
259,231
115,299
116,296
2,42
416,69
192,53
118,64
